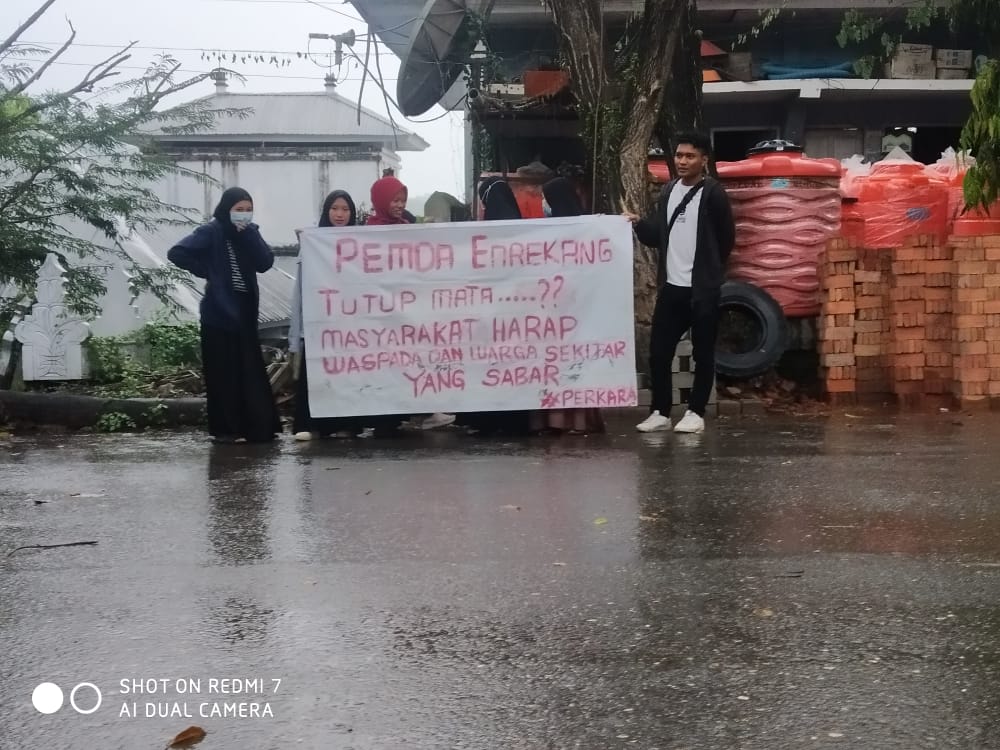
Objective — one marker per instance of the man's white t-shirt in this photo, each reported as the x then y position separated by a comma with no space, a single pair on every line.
683,241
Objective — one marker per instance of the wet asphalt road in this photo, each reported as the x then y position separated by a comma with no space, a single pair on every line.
771,584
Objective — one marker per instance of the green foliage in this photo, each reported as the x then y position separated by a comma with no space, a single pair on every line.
981,137
172,346
115,421
169,348
156,415
76,178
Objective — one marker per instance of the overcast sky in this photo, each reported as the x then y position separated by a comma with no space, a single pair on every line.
185,28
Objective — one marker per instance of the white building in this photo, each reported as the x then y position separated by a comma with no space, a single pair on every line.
288,151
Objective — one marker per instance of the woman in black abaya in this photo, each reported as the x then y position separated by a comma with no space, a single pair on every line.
228,253
499,204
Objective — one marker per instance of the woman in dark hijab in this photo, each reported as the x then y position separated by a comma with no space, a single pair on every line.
499,204
561,199
228,252
498,200
338,211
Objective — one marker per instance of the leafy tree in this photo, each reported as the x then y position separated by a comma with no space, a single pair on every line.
76,175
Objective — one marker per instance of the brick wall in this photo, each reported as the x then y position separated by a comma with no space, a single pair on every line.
918,324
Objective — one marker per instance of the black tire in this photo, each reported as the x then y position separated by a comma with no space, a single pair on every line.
767,329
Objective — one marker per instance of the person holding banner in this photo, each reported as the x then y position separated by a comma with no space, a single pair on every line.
338,211
693,230
228,253
560,198
389,197
499,204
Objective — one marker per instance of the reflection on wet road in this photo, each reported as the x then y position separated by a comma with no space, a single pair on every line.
770,584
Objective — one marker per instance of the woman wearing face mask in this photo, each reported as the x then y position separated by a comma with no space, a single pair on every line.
338,211
228,253
561,199
389,197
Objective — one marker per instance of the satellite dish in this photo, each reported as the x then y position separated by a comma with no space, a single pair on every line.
438,52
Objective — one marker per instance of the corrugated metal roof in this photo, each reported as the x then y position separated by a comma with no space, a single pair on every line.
276,286
307,117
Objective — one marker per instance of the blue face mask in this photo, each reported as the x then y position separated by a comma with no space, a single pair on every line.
546,208
241,219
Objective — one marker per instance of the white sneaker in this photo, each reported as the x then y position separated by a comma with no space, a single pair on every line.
367,432
691,423
655,422
437,420
303,437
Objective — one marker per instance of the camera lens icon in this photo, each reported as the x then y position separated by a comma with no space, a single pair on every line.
48,698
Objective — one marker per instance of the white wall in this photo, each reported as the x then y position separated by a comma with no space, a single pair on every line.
287,194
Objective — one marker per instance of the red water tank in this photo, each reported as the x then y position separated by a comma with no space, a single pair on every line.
786,207
899,199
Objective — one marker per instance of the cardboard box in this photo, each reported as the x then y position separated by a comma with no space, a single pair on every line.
907,68
952,74
917,53
740,66
953,58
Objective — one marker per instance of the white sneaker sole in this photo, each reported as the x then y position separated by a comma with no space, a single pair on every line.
654,428
437,424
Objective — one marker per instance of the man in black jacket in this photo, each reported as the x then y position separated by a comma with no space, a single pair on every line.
694,232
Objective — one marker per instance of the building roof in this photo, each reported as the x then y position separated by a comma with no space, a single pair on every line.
311,117
276,286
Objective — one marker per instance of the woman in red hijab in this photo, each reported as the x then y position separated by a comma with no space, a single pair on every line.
388,203
389,197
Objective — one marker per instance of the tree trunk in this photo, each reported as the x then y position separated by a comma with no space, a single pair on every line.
626,183
682,110
659,37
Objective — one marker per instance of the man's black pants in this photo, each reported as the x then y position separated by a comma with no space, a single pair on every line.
674,314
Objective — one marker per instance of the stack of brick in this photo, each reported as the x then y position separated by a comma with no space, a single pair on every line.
908,320
872,329
971,325
838,316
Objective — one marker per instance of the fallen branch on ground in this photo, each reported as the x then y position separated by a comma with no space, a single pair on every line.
50,546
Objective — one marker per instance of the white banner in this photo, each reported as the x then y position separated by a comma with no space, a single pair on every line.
477,316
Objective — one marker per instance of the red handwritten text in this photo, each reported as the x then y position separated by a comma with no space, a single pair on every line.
435,382
585,352
580,398
532,328
379,257
516,377
441,334
490,254
589,397
465,296
366,304
500,354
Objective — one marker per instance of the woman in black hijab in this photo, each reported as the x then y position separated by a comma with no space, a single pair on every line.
499,204
498,200
561,199
338,211
229,252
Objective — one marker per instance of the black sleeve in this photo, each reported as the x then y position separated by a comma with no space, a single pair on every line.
648,230
725,227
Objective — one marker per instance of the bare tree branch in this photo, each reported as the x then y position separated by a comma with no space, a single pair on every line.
12,39
99,72
44,66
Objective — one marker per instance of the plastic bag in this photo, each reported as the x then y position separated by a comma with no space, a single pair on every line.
854,167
